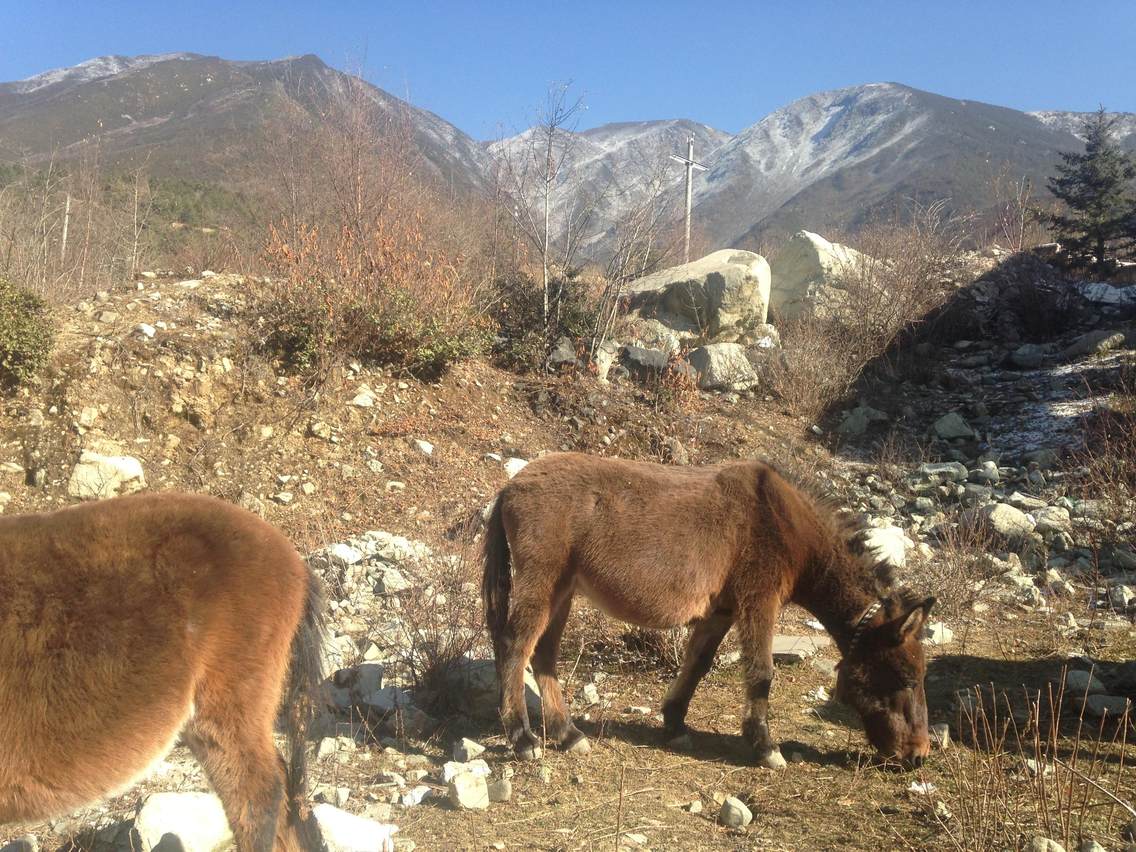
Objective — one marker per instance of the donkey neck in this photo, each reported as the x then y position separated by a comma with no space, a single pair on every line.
837,599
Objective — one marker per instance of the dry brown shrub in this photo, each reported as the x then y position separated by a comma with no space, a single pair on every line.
904,271
443,626
958,567
368,259
384,297
1079,788
1105,468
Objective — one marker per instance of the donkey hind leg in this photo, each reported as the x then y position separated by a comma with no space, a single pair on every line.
701,646
554,712
248,777
529,615
755,630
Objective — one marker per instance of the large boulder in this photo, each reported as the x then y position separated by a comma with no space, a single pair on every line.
724,292
723,366
807,274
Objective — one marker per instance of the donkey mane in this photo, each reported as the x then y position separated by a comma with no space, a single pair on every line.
846,532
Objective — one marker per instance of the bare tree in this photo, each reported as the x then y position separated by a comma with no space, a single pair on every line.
641,244
531,173
1013,211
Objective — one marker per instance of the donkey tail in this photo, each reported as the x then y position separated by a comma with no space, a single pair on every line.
305,679
497,581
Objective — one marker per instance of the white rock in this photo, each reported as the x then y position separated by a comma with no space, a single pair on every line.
193,822
723,290
469,791
723,366
808,276
344,832
364,398
453,768
940,734
500,790
591,694
424,447
96,476
145,329
414,797
734,813
467,749
1044,844
951,426
514,465
888,544
343,555
796,649
938,633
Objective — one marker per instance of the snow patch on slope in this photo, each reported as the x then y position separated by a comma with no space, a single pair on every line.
1071,122
93,69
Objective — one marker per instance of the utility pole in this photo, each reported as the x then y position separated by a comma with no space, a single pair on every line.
691,165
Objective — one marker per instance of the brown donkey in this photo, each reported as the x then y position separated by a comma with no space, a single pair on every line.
127,623
708,547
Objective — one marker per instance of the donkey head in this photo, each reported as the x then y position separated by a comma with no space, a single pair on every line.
881,676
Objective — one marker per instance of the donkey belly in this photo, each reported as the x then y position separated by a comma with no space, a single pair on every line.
78,725
63,774
654,601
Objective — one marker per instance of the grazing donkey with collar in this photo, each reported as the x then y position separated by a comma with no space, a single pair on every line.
129,623
709,547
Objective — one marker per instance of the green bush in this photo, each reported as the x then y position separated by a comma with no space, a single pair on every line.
519,309
26,334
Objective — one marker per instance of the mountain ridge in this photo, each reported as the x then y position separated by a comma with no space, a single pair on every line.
828,161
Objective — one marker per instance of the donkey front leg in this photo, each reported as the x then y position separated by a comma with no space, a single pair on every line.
756,634
701,646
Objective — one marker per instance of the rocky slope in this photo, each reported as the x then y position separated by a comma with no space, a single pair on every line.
372,474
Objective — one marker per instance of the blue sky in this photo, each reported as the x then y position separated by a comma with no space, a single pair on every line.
484,66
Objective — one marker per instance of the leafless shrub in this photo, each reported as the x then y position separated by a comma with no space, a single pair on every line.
375,267
903,272
1073,789
1105,467
443,626
958,567
65,231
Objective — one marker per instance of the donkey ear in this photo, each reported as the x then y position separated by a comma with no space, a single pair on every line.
911,622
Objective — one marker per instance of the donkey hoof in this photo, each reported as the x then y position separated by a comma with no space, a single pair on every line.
528,751
773,760
683,742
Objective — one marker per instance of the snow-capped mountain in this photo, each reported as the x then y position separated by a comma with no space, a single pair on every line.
828,162
98,68
615,168
1072,122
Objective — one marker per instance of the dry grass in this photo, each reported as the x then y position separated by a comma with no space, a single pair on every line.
1077,788
1106,467
958,568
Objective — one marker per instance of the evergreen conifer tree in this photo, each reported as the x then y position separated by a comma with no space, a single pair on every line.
1096,188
